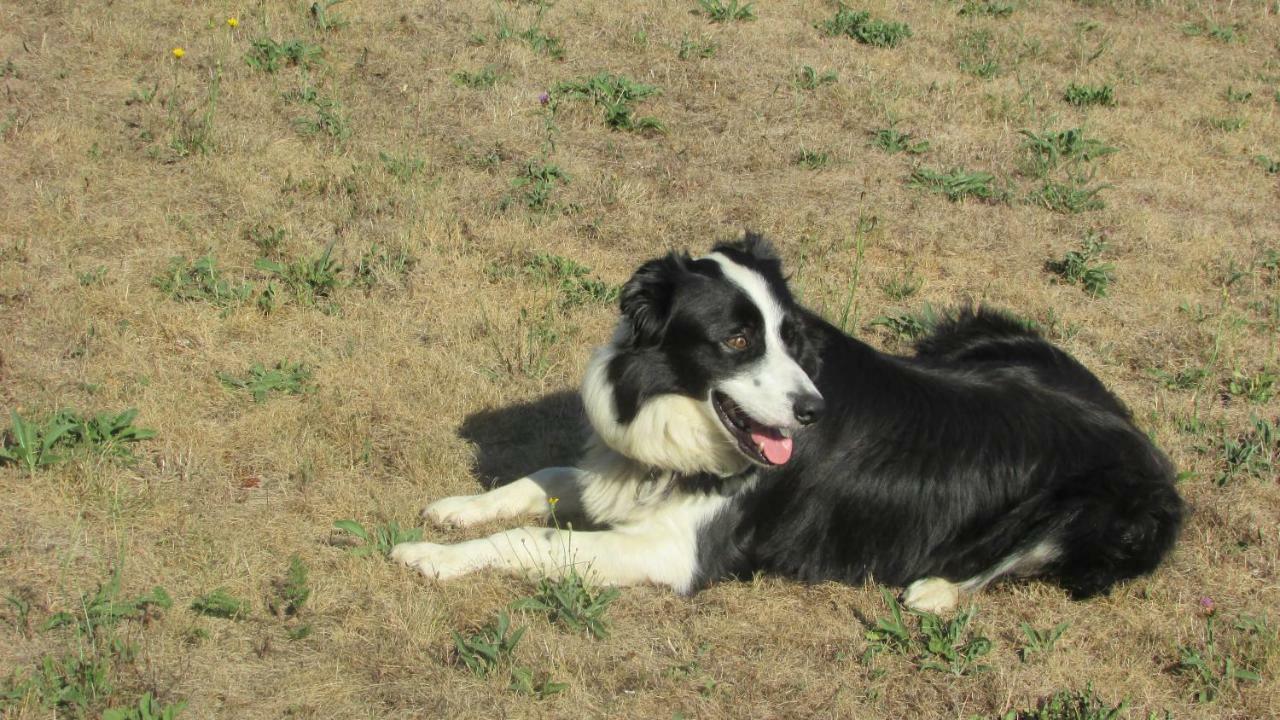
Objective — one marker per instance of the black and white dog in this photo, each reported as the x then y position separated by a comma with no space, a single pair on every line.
737,432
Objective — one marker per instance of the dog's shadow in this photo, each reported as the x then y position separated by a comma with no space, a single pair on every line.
512,442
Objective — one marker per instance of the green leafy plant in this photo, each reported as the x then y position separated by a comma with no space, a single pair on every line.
697,48
96,276
723,11
147,708
1236,96
617,95
310,279
944,645
269,55
267,238
328,119
867,30
811,159
808,78
902,286
905,325
101,611
284,377
73,684
1253,454
1213,669
200,280
1257,387
988,8
536,182
1071,705
957,184
323,19
291,594
1271,167
1188,378
221,604
1084,95
892,141
380,538
1219,32
1230,123
1045,152
571,279
36,445
1081,267
402,167
1071,197
1040,642
978,54
381,264
572,602
488,648
540,685
485,77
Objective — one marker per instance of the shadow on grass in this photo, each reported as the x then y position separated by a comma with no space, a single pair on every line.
512,442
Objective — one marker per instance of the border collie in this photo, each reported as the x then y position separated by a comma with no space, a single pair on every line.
736,432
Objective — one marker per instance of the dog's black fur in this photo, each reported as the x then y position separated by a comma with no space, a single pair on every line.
985,444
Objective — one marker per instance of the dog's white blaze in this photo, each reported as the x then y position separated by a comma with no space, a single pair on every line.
768,387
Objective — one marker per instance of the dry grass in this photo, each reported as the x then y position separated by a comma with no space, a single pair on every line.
431,381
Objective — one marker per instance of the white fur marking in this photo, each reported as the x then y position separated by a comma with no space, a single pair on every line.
932,595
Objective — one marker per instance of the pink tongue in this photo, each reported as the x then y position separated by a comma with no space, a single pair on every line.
775,448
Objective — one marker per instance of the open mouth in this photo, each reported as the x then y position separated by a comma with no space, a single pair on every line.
759,442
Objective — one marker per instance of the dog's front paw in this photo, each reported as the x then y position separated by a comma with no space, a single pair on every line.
461,511
434,561
932,595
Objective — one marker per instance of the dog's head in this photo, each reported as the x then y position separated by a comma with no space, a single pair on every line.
710,366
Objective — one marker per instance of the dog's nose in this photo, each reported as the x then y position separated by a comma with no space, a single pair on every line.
808,408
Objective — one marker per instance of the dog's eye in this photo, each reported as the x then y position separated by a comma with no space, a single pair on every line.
737,342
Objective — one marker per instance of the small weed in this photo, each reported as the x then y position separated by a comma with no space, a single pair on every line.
73,684
540,685
1186,379
1085,95
697,49
382,264
1237,96
97,614
380,539
1040,642
309,279
1212,670
1269,166
292,591
939,644
808,78
1254,454
489,647
96,276
570,601
485,77
900,287
329,119
812,159
571,279
267,238
1259,387
957,184
147,708
892,141
1226,124
221,604
323,19
988,8
723,11
36,445
905,325
193,130
284,377
1044,152
1071,705
1221,33
617,95
402,167
860,26
542,43
201,280
1071,197
977,54
535,183
1081,267
269,56
21,614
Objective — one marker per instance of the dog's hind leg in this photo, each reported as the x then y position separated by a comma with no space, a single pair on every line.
527,496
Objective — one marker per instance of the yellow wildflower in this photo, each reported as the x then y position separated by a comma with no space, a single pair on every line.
179,52
232,22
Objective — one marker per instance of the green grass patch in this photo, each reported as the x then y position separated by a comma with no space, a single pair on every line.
724,11
810,78
377,539
932,642
1082,267
535,183
811,159
570,601
201,280
311,280
488,648
1071,705
893,141
1253,454
68,433
1227,657
1046,151
485,77
986,8
221,604
957,184
260,381
572,280
1071,197
1086,95
859,25
269,55
616,95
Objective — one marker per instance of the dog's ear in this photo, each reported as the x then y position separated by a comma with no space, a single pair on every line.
645,300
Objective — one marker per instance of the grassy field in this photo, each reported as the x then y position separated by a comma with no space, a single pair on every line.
347,258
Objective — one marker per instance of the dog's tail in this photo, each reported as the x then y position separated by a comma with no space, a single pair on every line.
984,336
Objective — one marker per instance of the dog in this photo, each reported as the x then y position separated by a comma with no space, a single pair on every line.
735,432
